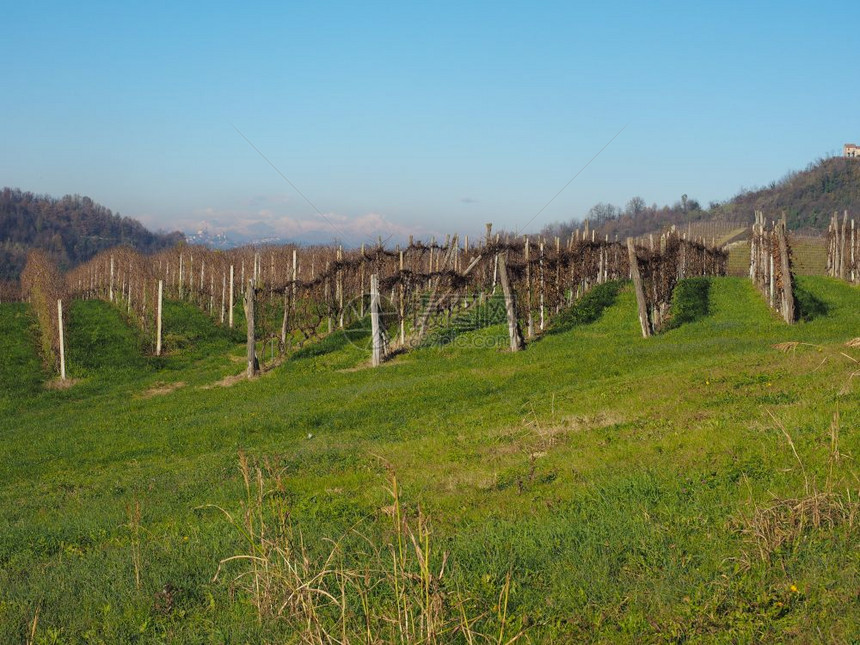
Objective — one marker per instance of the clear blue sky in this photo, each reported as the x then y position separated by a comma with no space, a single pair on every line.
416,117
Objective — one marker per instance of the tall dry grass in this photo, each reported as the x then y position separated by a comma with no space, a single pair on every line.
372,591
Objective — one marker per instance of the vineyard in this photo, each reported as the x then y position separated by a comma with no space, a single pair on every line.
843,249
290,296
560,440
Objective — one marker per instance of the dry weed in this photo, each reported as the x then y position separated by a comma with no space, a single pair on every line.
366,592
780,525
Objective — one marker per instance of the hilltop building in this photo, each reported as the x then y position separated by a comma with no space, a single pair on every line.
851,151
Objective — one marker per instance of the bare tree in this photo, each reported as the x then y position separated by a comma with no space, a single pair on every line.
636,206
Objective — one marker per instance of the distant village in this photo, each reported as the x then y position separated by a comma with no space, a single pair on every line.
851,151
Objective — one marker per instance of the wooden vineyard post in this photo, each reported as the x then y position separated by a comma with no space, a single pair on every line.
540,267
530,317
514,331
295,273
637,287
62,340
327,297
339,286
377,332
253,366
787,288
853,244
295,276
223,296
230,310
558,287
361,292
158,318
771,283
401,309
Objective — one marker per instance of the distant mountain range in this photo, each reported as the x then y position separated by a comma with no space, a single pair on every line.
71,230
232,239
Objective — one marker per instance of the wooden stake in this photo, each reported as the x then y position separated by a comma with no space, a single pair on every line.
530,324
361,285
223,296
253,364
327,296
339,287
542,284
637,287
787,290
514,331
62,340
401,310
230,310
377,333
158,318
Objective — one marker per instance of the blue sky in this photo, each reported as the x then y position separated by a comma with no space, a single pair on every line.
395,118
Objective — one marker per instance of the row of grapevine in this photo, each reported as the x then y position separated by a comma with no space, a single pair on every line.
843,254
659,267
303,293
770,266
43,286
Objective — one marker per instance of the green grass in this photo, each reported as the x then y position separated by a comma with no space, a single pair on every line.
478,316
612,476
587,309
21,370
690,301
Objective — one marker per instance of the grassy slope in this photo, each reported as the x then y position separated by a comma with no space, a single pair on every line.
608,473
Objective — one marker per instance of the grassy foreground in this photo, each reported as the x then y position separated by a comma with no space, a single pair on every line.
700,485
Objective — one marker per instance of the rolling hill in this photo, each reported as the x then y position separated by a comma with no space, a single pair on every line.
696,486
808,198
71,229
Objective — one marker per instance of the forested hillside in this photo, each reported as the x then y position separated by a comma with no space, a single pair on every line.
71,230
808,198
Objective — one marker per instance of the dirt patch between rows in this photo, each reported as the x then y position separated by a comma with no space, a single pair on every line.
160,389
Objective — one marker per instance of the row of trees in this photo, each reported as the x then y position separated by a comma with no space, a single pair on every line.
635,219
